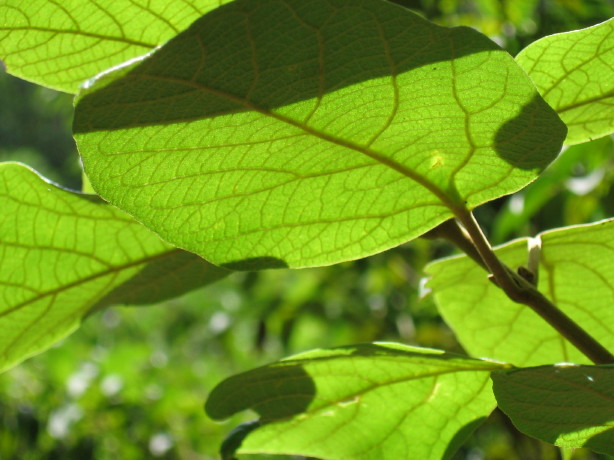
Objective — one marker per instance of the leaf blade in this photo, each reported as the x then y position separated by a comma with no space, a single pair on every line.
575,266
573,72
63,253
360,402
62,45
569,406
294,173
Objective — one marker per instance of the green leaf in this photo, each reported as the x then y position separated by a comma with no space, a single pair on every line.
364,402
279,133
576,267
60,44
168,277
65,253
574,72
569,406
530,204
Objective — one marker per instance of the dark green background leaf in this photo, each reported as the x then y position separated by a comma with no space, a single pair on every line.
570,406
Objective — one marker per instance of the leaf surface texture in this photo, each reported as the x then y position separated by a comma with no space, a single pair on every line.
364,402
576,269
64,254
569,406
574,72
282,133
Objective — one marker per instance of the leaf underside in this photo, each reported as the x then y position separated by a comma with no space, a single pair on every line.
575,272
60,44
569,406
364,402
574,73
346,128
64,254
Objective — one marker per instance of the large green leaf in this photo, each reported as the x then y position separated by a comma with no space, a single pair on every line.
574,72
362,402
576,270
291,133
65,253
569,406
62,43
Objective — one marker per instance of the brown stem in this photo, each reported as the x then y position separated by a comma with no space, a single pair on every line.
455,234
520,290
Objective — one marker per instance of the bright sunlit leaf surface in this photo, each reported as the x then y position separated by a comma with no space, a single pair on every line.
574,72
287,133
569,406
576,272
62,43
363,402
65,253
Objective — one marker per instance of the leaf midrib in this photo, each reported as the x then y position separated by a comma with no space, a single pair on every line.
112,38
373,386
87,279
590,100
454,206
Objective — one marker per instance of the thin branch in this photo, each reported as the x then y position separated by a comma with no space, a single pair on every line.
458,236
522,291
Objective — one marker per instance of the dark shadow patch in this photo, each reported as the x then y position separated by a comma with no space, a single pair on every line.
232,60
255,263
167,277
373,349
274,392
602,442
533,138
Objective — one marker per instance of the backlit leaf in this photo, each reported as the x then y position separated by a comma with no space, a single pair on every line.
62,43
364,402
574,72
287,133
64,253
569,406
575,272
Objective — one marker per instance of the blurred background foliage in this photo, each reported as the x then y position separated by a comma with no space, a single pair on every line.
131,383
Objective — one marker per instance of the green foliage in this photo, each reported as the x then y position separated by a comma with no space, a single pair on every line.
574,189
281,133
61,45
315,402
64,254
294,174
575,267
575,75
567,405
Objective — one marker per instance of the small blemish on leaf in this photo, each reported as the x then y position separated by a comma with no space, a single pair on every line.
349,402
437,160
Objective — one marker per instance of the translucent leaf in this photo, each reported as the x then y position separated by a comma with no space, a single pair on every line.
530,205
60,44
362,402
569,406
574,72
576,270
280,133
165,278
65,253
